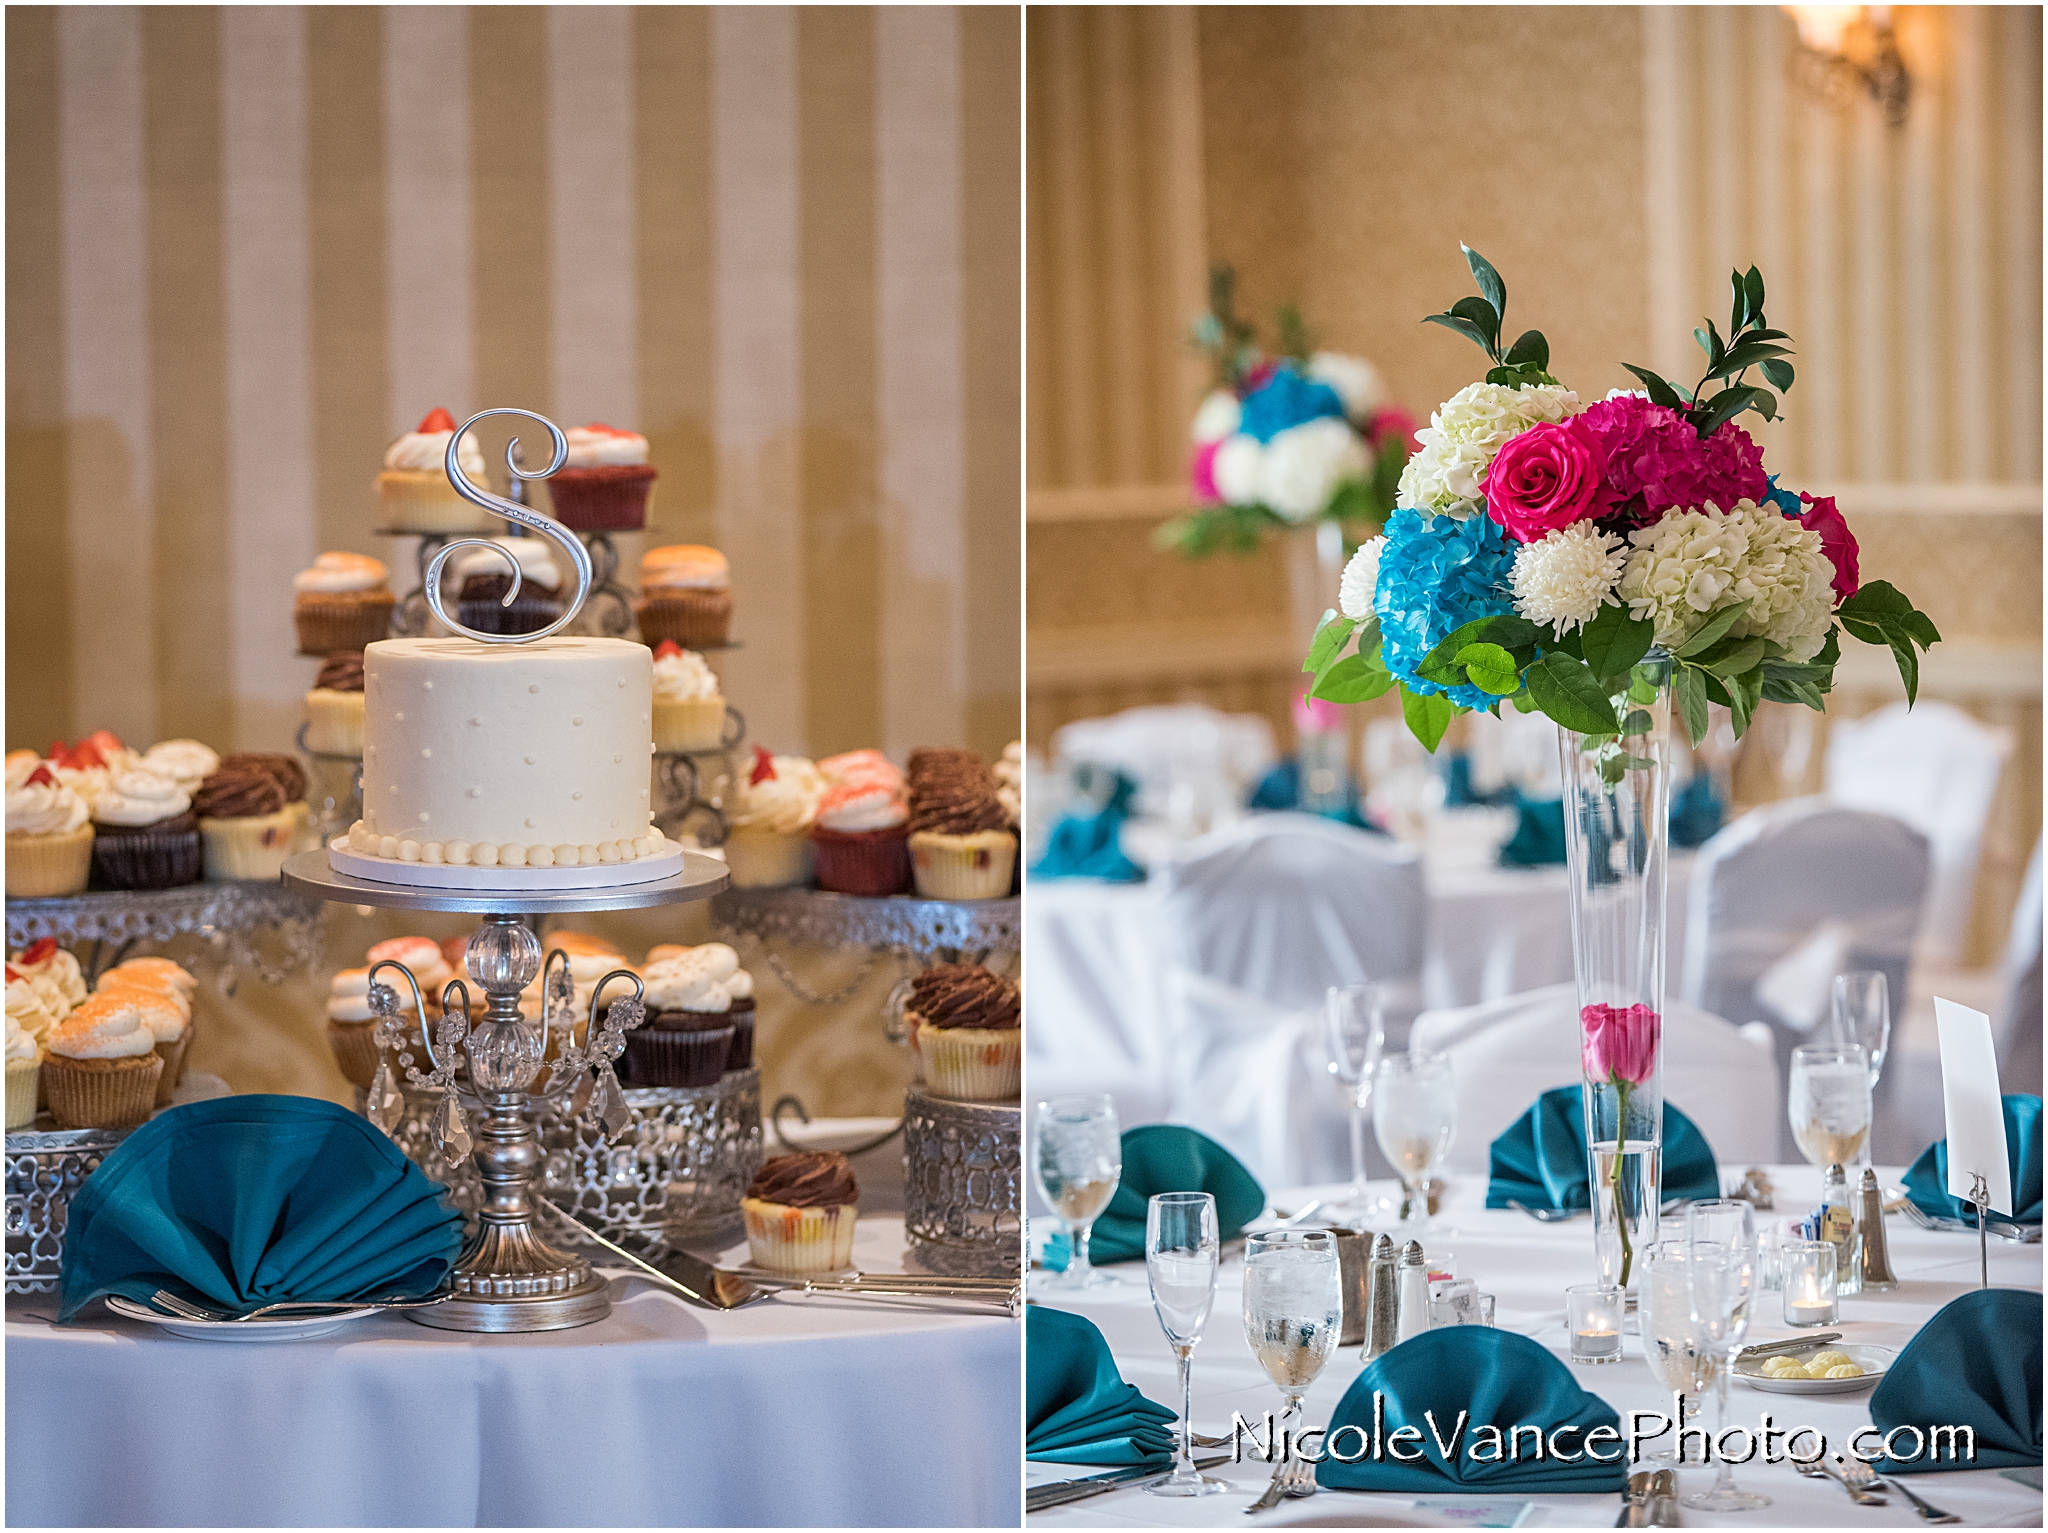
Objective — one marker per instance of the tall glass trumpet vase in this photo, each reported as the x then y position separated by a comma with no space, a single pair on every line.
1617,834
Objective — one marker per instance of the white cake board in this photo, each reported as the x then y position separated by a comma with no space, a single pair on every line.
665,863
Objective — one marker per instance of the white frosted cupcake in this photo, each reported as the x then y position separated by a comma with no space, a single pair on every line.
414,491
24,1062
800,1212
689,711
49,836
768,841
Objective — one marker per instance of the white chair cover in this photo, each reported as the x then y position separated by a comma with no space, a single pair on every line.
1937,769
2019,1020
1508,1052
1793,891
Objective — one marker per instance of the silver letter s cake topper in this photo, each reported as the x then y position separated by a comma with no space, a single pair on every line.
579,557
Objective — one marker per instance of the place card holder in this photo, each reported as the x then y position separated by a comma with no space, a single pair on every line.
44,1170
963,1184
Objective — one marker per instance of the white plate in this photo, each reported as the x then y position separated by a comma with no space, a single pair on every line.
267,1329
1872,1360
665,863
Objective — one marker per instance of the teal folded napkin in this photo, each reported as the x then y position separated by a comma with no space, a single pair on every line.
1091,845
1077,1407
1540,1160
245,1201
1976,1364
1166,1157
1927,1182
1696,812
1539,834
1453,1385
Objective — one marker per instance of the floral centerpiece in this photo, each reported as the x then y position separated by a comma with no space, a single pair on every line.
1299,437
1592,562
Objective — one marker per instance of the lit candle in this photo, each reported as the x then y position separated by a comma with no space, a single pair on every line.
1812,1312
1597,1343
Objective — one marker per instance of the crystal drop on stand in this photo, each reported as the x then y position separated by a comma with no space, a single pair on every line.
608,1105
451,1134
387,1102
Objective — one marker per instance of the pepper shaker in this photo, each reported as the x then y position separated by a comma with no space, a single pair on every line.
1877,1258
1382,1321
1412,1317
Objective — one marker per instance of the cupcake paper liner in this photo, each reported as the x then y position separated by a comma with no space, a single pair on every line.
355,1050
251,847
60,863
974,867
740,1056
675,1056
872,862
422,500
334,723
146,859
21,1092
694,619
525,615
786,1239
602,499
689,724
102,1093
353,621
973,1064
173,1056
767,859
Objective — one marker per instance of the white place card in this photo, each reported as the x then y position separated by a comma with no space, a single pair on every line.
1970,1099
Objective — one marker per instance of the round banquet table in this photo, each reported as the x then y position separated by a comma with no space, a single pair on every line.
1527,1266
795,1411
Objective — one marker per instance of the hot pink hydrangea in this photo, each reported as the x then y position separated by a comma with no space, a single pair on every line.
1619,1043
1655,461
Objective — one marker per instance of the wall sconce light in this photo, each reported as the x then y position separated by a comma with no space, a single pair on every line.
1851,51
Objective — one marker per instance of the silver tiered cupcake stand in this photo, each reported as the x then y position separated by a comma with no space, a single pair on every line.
228,916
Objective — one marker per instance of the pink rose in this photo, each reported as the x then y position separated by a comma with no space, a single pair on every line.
1544,479
1619,1044
1836,541
1203,473
1392,424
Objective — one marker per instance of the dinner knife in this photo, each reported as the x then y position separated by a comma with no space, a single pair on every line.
1062,1492
1782,1348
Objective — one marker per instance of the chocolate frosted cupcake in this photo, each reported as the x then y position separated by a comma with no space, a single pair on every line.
487,579
961,843
145,835
248,823
800,1213
606,483
966,1025
695,1000
334,708
286,769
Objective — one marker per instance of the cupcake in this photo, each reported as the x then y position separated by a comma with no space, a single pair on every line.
291,777
88,767
49,836
24,1062
965,1025
606,483
861,766
800,1212
486,579
961,844
1009,775
859,841
160,1013
342,603
101,1066
334,708
31,1007
421,955
159,992
352,1026
413,492
247,823
768,822
739,986
188,763
145,835
163,972
685,595
591,958
689,712
699,1004
55,975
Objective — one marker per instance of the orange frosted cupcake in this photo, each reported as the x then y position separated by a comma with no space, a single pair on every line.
859,844
685,595
102,1067
342,602
800,1213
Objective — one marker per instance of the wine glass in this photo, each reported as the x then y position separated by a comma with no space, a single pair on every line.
1415,1118
1666,1321
1293,1311
1181,1252
1829,1101
1355,1031
1720,1280
1080,1161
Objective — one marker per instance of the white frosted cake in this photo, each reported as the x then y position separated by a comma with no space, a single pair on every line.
508,756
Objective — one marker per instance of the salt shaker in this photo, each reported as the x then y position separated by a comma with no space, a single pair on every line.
1382,1329
1412,1318
1877,1258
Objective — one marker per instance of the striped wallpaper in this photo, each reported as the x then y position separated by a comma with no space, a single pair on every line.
248,245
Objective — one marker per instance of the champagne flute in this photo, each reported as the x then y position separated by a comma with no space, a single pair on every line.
1666,1320
1828,1101
1862,1013
1080,1161
1293,1312
1720,1280
1181,1253
1355,1031
1415,1118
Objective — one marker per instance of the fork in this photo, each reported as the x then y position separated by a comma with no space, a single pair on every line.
185,1309
1859,1473
1817,1472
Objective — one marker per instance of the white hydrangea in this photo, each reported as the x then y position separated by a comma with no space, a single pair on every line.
1361,580
1236,469
1465,432
1217,418
1303,466
1565,577
1693,562
1787,581
1357,382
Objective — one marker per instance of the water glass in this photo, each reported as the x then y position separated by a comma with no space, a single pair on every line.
1594,1311
1079,1163
1354,1032
1862,1014
1665,1320
1810,1282
1181,1253
1829,1102
1720,1285
1293,1309
1415,1118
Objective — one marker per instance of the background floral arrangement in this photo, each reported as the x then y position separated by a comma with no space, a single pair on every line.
1541,546
1298,437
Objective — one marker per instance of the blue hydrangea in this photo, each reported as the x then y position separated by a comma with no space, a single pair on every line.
1437,574
1784,500
1287,399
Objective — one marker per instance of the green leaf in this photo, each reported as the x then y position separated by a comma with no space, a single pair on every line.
1478,311
1524,701
1717,623
1530,349
1638,722
1525,376
1661,393
1491,668
1614,641
1742,656
1690,687
1753,289
1428,717
1489,281
1764,402
1744,692
1568,693
1738,308
1332,633
1717,353
1641,691
1721,409
1440,665
1354,679
1639,763
1879,613
1464,327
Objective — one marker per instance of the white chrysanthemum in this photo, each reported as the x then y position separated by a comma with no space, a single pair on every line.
1787,581
1565,577
1303,466
1691,563
1361,580
1465,432
1217,418
1236,469
1357,382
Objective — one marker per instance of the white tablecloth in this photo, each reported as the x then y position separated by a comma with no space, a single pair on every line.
793,1411
1527,1266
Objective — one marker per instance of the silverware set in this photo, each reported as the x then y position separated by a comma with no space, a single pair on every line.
1649,1500
1062,1492
1292,1477
1864,1485
2019,1234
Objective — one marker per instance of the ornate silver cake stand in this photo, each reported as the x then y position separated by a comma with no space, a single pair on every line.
228,916
963,1183
509,1278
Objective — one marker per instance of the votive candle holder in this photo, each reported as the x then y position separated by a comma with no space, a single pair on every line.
1809,1282
1595,1311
